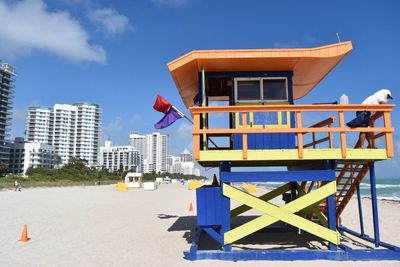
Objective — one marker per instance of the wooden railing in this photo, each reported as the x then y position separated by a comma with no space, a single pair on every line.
327,122
299,130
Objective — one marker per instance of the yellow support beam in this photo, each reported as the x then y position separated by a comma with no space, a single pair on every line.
314,208
285,213
266,197
292,154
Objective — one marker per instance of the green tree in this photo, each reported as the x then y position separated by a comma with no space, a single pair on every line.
76,164
57,160
3,169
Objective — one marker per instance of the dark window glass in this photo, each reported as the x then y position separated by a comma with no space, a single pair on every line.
248,90
274,89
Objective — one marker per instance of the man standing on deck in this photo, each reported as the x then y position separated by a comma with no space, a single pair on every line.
364,117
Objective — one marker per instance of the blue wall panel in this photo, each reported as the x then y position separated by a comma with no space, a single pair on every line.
209,201
266,141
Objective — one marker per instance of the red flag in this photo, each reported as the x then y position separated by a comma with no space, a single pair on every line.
162,105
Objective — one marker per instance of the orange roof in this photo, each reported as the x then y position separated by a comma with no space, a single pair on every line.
309,65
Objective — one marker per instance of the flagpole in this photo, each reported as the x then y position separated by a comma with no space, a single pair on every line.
183,115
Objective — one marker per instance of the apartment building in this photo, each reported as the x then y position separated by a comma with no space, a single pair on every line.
88,132
74,130
39,125
154,150
64,131
139,143
183,164
186,156
116,158
30,154
7,74
157,149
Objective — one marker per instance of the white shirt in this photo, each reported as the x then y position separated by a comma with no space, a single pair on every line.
380,96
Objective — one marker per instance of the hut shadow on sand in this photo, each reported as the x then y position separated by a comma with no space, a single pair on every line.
277,236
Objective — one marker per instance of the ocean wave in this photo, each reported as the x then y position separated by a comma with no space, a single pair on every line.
380,186
391,198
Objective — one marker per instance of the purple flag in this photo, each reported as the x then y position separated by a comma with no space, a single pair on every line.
169,118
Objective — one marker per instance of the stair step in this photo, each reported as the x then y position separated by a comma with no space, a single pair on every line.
349,169
352,174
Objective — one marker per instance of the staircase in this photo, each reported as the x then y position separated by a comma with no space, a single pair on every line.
350,175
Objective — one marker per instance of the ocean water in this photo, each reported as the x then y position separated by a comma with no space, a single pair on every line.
387,189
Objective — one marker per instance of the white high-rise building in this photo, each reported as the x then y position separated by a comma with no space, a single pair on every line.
173,164
157,151
186,156
73,130
139,142
183,164
39,125
115,158
7,75
88,132
64,131
30,154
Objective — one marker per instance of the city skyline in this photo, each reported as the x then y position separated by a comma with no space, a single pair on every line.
142,155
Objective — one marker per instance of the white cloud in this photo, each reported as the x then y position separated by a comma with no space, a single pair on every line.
114,126
173,3
19,115
136,117
112,130
28,25
185,131
110,20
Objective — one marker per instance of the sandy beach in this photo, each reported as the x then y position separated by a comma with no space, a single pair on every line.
99,226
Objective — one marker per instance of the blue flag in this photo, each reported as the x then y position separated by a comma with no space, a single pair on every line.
169,118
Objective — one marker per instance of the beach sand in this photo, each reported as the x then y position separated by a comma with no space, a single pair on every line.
99,226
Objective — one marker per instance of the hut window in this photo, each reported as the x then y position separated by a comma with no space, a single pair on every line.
248,90
274,89
261,89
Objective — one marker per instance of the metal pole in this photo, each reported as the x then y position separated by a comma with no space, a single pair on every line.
183,115
225,205
331,206
331,217
360,213
374,203
203,104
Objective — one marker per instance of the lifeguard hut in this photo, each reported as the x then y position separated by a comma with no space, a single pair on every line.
133,179
251,94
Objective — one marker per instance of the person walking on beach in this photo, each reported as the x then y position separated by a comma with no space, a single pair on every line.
17,186
363,118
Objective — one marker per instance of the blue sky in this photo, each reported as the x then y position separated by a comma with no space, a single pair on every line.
114,53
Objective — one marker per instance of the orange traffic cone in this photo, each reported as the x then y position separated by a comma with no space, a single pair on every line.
191,207
24,236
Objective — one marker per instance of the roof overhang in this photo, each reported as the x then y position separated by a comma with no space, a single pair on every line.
309,65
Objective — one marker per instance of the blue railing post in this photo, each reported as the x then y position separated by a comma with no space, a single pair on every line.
360,213
225,206
332,217
331,204
374,203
